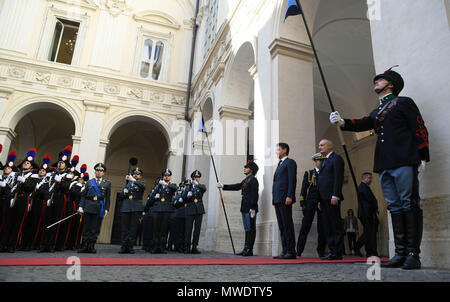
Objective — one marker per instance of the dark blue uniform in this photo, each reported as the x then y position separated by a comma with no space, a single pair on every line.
94,203
309,198
194,210
132,207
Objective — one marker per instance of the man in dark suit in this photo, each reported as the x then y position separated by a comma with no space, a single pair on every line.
367,213
330,181
249,204
283,197
94,203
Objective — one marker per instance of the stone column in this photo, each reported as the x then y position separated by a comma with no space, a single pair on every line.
6,134
89,145
293,107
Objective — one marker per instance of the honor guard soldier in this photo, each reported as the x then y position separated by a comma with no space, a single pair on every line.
249,205
59,183
69,206
162,207
75,188
94,203
309,199
147,222
20,202
7,181
35,222
194,210
401,151
131,209
178,225
77,229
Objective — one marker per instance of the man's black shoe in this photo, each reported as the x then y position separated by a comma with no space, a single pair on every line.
280,256
289,256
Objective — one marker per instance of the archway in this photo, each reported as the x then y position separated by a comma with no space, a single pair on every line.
134,136
342,36
47,128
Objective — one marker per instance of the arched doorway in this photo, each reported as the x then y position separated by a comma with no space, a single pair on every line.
135,136
342,36
47,128
236,118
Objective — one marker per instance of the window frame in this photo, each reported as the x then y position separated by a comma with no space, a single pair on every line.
143,35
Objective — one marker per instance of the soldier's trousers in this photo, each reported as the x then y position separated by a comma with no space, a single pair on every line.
196,222
64,227
34,225
15,222
4,206
91,227
160,229
308,218
147,232
75,232
130,221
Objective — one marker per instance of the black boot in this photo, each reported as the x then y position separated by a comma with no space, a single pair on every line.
398,226
246,244
123,249
412,260
194,250
187,248
91,248
251,242
84,248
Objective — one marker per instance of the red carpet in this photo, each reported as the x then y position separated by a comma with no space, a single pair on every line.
150,261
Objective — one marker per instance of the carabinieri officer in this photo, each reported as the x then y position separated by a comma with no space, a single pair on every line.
131,210
94,204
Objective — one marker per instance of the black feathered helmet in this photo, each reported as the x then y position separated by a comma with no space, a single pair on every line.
394,77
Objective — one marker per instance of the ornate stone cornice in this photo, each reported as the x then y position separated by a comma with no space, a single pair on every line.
95,106
10,133
282,46
234,113
5,92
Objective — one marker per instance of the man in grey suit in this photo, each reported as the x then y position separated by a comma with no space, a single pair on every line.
283,197
131,209
94,204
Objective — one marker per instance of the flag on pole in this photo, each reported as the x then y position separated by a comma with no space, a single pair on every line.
292,9
201,127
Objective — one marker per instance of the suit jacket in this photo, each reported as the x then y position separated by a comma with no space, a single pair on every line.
135,192
193,205
367,203
250,193
284,181
88,203
403,140
331,177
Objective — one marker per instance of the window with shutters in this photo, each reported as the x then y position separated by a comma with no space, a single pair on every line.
153,54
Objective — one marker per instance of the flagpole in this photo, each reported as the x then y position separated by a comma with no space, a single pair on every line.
217,180
339,130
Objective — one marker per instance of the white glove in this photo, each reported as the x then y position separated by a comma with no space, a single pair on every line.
127,177
157,196
131,178
106,213
180,199
79,184
195,182
80,210
58,178
29,208
125,190
69,176
422,166
48,202
219,185
2,184
11,202
21,179
335,118
143,213
162,182
189,194
252,213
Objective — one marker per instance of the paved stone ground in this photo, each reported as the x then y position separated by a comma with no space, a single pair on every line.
207,273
